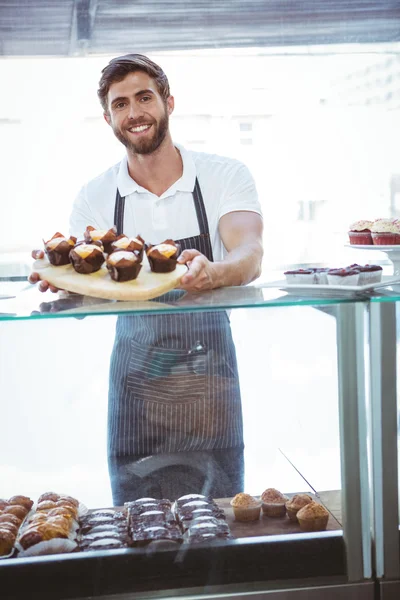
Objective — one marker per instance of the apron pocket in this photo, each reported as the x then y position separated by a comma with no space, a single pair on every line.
165,375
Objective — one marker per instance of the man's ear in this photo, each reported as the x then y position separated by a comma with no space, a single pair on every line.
107,118
170,104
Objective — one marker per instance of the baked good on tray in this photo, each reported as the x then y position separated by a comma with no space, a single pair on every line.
105,237
87,258
162,257
246,507
123,242
368,273
295,504
57,249
123,265
273,503
385,232
347,276
313,517
360,233
12,514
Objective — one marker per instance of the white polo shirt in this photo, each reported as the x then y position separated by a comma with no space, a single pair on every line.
226,185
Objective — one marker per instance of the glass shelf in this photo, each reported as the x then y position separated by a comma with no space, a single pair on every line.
32,304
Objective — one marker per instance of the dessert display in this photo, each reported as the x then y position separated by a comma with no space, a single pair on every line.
347,276
87,258
313,517
360,233
51,527
12,513
352,275
380,232
105,237
162,257
246,507
295,504
123,242
123,265
368,273
151,520
103,529
57,249
273,503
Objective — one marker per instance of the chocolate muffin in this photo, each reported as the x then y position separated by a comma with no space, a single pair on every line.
162,257
57,249
123,265
135,244
105,237
87,258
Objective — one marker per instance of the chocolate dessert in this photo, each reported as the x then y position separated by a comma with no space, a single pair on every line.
123,242
105,237
57,249
87,258
163,257
123,265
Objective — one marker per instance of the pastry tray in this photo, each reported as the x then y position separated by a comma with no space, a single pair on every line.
333,291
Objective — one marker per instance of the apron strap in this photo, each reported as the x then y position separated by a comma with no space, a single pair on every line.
119,211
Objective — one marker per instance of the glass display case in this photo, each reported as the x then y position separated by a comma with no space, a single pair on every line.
301,364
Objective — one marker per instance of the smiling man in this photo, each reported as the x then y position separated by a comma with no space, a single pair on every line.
175,420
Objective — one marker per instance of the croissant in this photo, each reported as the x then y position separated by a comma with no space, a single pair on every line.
3,504
7,540
48,496
69,499
17,510
30,537
22,501
46,505
10,518
9,527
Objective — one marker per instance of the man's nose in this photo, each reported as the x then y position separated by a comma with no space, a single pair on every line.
135,111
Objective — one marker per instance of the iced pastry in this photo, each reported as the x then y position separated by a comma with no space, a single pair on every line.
246,507
385,232
57,249
162,257
123,265
343,276
105,236
313,517
368,273
295,504
273,503
360,233
298,276
87,258
123,242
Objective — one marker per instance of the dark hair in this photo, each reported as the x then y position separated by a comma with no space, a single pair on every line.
118,68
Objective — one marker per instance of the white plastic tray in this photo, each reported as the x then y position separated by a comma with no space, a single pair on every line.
332,291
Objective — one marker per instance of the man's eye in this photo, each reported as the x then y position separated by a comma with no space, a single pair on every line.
120,105
145,98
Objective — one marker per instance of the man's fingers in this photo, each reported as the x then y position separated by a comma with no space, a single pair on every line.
33,278
188,255
37,254
43,286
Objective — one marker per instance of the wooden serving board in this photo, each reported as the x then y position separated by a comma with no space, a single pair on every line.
148,285
271,526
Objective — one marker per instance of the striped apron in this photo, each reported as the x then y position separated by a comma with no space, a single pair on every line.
174,388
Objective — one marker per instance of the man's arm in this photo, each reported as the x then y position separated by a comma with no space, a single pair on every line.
241,234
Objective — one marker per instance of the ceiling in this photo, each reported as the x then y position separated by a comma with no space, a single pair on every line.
92,27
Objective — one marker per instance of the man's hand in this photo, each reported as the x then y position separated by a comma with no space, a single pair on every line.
201,272
34,277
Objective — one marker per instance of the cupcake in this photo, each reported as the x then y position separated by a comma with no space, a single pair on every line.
58,248
368,273
343,276
163,257
295,504
123,242
273,503
123,265
321,275
385,232
300,276
360,233
104,236
313,517
246,507
87,258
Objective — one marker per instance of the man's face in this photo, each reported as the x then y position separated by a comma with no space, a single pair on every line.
137,114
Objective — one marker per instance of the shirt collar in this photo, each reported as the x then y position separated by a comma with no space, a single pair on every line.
127,185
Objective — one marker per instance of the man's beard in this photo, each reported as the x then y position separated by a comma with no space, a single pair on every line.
145,145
